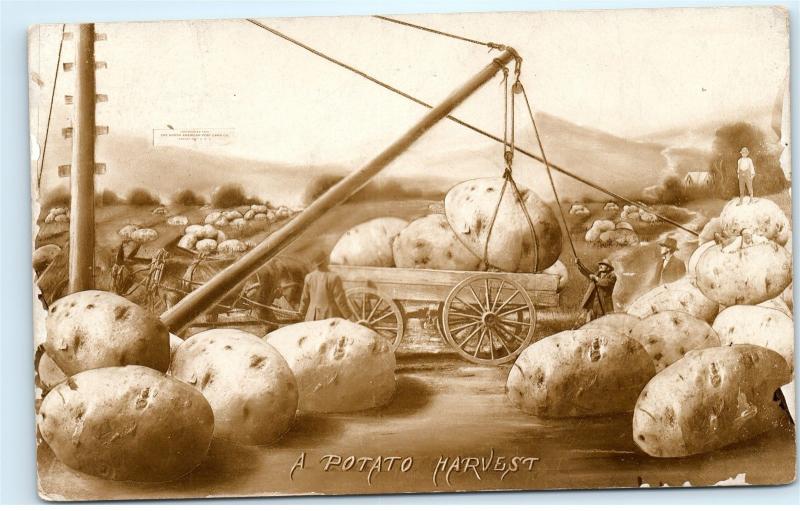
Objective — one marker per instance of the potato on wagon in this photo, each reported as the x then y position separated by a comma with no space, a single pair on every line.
475,217
127,423
579,373
369,243
428,242
92,329
558,269
709,399
249,385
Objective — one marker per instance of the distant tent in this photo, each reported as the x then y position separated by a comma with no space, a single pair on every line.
699,178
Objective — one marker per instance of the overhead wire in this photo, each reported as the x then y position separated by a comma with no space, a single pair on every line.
467,125
50,110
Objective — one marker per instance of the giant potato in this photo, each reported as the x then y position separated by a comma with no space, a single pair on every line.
777,303
618,322
709,399
92,329
711,228
691,266
48,373
788,297
669,335
43,256
680,295
246,381
763,217
560,270
340,366
579,373
369,243
749,275
470,207
428,242
127,423
762,326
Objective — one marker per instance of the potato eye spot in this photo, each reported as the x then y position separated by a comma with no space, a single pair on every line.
257,361
121,312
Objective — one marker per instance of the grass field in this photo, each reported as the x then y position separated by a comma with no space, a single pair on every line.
324,233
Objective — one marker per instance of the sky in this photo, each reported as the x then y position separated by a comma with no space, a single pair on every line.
631,73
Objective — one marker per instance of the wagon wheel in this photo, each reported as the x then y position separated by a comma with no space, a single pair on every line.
488,319
375,310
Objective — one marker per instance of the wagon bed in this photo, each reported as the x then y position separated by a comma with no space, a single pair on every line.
486,316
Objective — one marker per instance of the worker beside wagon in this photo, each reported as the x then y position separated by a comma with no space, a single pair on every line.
597,300
323,293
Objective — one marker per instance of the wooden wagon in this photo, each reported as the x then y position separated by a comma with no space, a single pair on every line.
487,317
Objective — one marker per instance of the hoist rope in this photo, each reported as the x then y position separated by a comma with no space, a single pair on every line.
472,127
433,31
509,125
549,172
50,111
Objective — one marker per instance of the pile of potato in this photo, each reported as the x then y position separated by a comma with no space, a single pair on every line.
137,233
127,400
208,239
117,415
177,220
607,233
457,239
57,215
698,361
637,214
579,210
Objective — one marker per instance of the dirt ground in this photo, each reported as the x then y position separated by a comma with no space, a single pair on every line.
445,410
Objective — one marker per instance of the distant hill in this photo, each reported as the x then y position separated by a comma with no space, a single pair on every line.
620,164
134,162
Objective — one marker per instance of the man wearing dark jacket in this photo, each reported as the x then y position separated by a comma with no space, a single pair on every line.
597,300
323,294
670,267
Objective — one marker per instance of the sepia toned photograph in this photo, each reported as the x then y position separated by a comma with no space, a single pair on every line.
412,253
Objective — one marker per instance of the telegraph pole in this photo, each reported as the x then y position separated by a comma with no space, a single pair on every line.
82,169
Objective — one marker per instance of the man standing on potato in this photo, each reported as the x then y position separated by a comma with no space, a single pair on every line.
323,293
597,299
746,172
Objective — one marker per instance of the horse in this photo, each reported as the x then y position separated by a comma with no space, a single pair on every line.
281,277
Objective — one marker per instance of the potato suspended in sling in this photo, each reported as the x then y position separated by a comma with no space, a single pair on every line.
477,213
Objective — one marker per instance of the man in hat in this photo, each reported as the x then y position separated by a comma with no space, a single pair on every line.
597,300
323,293
671,268
746,172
